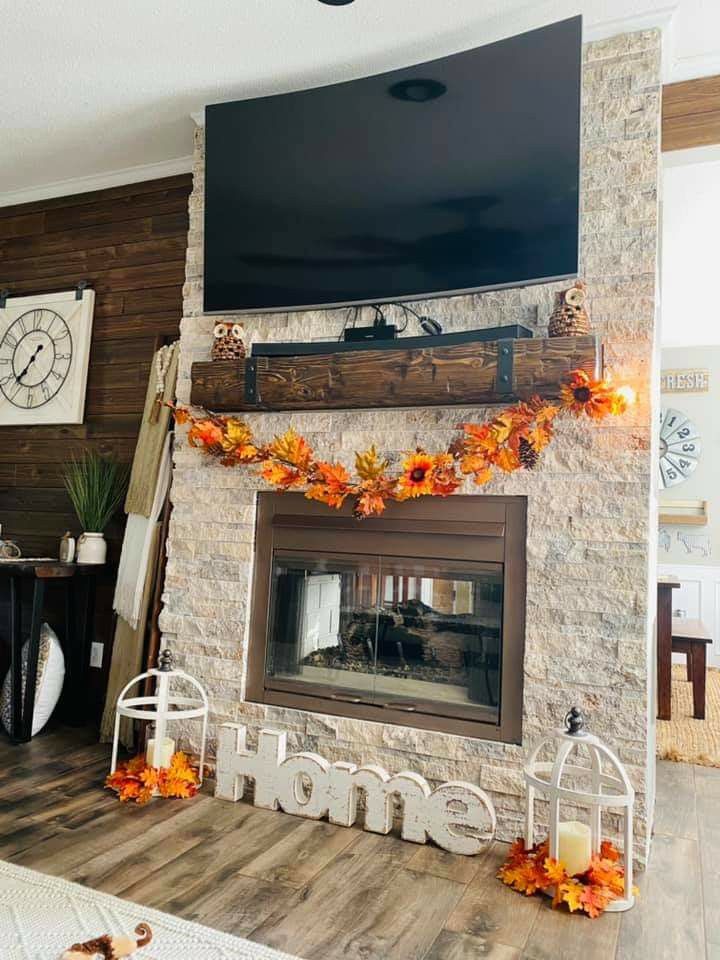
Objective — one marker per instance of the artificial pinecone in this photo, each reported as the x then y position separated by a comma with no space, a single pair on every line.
528,454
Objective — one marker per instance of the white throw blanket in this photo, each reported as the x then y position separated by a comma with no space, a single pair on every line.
136,548
40,917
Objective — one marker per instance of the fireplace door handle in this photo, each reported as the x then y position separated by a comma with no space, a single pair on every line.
407,707
334,696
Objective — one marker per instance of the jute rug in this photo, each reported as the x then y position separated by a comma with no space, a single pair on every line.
42,916
683,738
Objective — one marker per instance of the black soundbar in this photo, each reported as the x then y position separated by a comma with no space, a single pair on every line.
511,332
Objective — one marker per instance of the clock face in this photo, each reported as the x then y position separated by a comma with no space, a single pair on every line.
680,448
44,356
36,353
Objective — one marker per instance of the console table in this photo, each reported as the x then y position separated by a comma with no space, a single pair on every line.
79,612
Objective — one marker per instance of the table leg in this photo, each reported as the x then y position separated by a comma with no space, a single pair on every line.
15,658
664,653
698,652
32,660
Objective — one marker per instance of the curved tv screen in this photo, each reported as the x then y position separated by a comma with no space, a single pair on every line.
451,176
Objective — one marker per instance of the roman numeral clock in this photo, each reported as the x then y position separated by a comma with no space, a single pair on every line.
44,355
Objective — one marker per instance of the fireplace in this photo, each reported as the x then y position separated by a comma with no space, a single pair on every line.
414,618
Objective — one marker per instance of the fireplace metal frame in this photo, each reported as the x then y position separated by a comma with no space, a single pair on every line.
462,528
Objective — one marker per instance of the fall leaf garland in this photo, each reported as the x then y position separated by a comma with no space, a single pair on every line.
513,440
528,871
136,781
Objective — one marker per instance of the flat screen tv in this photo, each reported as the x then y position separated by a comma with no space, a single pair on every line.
448,177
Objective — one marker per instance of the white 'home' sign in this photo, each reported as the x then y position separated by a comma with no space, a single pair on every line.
457,816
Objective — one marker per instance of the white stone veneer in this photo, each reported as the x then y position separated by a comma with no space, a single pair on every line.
590,542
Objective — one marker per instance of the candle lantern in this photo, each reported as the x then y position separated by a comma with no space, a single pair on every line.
164,707
603,784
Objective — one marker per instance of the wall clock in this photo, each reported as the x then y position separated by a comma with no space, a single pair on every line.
44,354
680,447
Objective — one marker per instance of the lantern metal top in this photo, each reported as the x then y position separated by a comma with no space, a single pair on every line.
611,789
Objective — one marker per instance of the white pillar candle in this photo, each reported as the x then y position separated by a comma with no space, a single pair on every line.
160,757
574,847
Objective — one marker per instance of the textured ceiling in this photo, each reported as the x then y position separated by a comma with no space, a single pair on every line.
91,87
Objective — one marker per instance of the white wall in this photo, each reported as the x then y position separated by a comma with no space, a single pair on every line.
704,411
690,266
699,598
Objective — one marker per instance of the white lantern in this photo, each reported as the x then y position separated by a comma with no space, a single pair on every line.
163,707
602,785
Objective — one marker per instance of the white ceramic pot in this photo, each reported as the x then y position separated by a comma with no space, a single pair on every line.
91,548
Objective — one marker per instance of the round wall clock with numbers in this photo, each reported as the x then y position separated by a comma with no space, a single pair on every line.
44,353
680,447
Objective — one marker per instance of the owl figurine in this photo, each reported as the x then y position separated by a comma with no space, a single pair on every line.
228,343
570,318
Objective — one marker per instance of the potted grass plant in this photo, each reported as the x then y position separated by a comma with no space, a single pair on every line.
96,486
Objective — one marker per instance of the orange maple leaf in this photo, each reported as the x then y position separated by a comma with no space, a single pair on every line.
555,871
506,459
281,475
292,448
370,503
594,899
571,892
608,851
539,437
334,474
503,425
205,433
323,493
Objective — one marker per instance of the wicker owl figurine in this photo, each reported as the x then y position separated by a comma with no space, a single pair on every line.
570,318
228,343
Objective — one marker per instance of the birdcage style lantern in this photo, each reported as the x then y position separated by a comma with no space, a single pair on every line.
163,707
602,785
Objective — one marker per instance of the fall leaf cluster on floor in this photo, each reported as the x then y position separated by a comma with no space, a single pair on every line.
136,781
512,440
528,871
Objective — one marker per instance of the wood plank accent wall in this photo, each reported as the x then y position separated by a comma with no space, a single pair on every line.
129,243
691,113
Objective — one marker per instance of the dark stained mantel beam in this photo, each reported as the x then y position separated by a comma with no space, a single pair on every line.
460,374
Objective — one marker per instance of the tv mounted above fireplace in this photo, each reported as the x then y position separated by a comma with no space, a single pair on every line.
446,177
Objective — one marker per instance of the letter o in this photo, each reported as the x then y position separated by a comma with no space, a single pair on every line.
291,795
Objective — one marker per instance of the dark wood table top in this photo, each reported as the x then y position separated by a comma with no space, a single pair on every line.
671,582
46,569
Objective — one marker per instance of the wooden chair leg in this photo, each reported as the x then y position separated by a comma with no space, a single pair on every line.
689,665
699,658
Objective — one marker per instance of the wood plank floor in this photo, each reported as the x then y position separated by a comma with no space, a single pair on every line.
325,893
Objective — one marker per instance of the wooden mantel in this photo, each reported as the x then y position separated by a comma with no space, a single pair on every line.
499,371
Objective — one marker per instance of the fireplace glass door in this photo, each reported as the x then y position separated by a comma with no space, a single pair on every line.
398,633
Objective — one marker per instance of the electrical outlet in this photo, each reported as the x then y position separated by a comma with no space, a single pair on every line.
96,655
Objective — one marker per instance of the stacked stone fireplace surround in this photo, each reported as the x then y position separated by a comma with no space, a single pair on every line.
590,546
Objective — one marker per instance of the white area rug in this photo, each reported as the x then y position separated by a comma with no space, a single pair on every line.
41,916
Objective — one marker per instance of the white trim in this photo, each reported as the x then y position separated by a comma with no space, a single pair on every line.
661,19
98,181
632,23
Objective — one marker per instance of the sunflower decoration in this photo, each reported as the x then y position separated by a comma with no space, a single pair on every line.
512,440
582,394
418,475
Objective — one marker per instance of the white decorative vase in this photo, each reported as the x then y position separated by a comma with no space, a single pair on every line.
91,548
